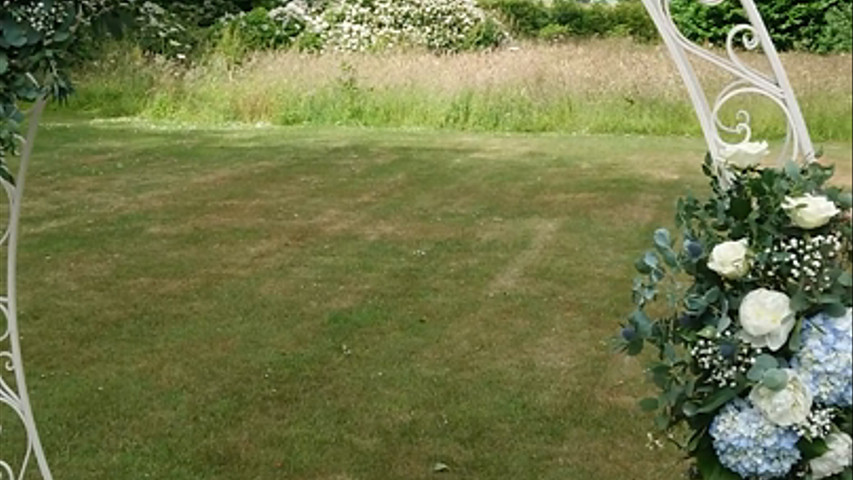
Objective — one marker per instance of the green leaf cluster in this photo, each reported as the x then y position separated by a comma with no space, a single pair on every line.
34,38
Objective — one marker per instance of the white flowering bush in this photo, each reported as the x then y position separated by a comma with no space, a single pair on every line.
754,353
370,25
441,25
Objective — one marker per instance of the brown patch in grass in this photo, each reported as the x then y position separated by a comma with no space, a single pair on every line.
619,378
640,210
509,279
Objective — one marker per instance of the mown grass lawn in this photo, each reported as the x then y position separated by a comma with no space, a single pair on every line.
341,304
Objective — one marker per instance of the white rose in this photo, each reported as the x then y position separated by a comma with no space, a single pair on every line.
836,459
730,259
810,211
744,155
766,318
788,406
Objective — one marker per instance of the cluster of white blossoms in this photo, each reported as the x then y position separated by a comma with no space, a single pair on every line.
365,25
818,423
41,17
804,260
724,358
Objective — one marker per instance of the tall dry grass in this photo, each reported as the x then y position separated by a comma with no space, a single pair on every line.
601,86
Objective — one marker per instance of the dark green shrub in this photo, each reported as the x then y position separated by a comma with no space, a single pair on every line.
630,18
257,30
570,18
554,33
793,25
836,33
486,34
525,17
816,25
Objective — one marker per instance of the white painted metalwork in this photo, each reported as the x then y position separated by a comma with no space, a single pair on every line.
13,392
746,80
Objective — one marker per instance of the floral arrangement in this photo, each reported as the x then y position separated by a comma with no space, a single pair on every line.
749,314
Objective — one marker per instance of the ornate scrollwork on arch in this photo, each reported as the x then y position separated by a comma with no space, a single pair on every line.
745,80
13,388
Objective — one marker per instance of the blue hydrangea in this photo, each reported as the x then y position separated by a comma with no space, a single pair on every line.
825,360
750,445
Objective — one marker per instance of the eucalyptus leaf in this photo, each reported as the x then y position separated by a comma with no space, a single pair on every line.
795,341
641,322
662,238
651,259
712,295
4,63
792,170
696,304
669,257
13,33
835,310
775,379
763,363
724,323
642,266
845,279
635,347
799,302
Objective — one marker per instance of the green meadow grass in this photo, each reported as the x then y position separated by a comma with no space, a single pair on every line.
600,86
340,304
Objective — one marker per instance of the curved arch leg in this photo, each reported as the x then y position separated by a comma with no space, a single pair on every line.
15,396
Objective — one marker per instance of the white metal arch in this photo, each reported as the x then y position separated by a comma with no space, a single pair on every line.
747,81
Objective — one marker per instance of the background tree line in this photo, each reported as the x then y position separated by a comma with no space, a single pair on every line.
182,27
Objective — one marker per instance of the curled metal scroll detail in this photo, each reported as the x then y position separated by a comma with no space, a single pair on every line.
13,388
745,80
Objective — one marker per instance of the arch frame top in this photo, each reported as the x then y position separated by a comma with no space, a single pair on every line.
744,80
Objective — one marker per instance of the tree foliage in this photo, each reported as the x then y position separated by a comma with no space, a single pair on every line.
34,39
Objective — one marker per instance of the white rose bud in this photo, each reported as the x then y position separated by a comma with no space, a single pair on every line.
766,318
730,259
834,461
810,211
788,406
744,155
